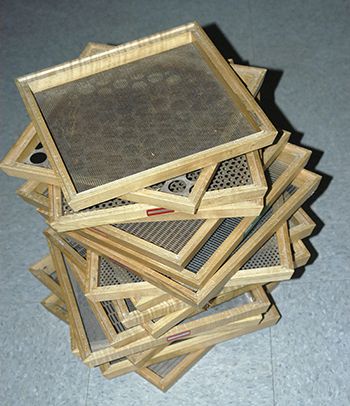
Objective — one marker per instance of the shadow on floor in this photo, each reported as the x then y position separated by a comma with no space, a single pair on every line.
279,119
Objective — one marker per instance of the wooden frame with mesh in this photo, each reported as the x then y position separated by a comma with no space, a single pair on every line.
56,306
147,343
304,185
180,348
181,274
140,240
34,193
260,133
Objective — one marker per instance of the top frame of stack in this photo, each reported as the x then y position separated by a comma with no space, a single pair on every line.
141,113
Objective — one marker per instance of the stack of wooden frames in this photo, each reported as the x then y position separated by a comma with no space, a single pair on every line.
173,205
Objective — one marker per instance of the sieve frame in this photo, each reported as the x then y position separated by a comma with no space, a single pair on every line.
56,306
174,265
305,183
42,270
93,359
231,331
191,33
33,192
79,273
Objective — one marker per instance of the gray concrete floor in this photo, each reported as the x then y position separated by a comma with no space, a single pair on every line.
304,360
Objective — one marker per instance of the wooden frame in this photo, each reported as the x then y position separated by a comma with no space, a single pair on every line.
15,161
111,332
34,193
56,306
96,241
304,185
262,135
179,348
45,272
138,345
165,325
301,254
284,170
177,368
300,226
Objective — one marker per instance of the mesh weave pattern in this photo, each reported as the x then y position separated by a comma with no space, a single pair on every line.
139,115
76,246
111,273
162,369
213,243
94,333
170,235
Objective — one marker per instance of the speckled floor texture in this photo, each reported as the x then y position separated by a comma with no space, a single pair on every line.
305,359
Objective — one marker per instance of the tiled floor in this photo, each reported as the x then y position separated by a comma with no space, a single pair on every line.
305,359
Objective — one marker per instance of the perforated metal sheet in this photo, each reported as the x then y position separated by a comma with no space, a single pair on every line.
164,368
139,115
231,173
237,301
213,243
66,209
180,185
111,273
76,246
94,333
266,256
38,157
171,235
112,315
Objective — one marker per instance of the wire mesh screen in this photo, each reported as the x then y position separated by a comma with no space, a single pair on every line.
162,369
111,273
274,171
213,243
139,115
170,235
94,333
237,301
76,246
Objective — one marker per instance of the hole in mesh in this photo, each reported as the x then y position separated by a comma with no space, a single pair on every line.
111,273
177,186
265,257
231,173
116,202
38,158
193,176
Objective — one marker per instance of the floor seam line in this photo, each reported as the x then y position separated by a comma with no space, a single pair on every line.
272,370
